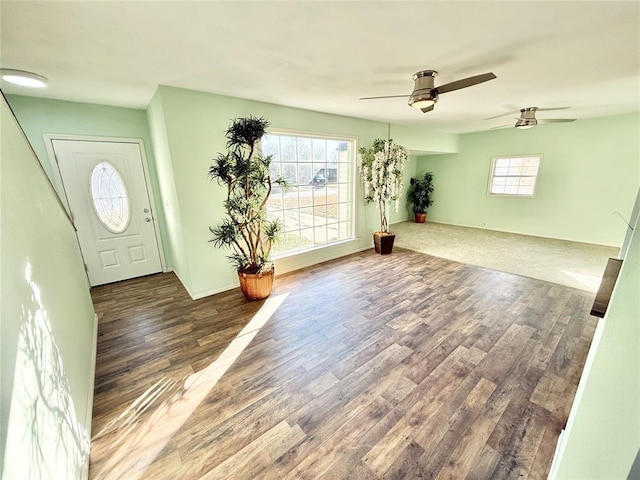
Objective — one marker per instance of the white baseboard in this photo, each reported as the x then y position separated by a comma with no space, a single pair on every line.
92,383
213,291
294,262
521,233
290,264
554,463
203,293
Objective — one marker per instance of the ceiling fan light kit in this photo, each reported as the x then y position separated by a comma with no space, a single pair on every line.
23,78
421,101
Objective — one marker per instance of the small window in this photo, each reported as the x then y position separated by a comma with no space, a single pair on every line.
514,176
110,198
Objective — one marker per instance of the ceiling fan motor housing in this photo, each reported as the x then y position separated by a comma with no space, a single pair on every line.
424,93
527,118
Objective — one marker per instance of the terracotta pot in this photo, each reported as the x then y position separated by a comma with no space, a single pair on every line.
256,286
383,242
420,217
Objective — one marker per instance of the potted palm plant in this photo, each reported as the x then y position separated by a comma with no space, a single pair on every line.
420,196
244,171
381,168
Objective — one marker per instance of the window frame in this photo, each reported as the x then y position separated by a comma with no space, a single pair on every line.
492,168
352,185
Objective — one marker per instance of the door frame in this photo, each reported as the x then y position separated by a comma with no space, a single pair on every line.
58,184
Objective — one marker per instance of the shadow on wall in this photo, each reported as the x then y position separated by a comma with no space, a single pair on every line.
44,438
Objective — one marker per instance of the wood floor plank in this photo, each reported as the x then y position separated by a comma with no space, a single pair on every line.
485,464
527,433
540,467
339,444
468,450
449,416
397,367
251,460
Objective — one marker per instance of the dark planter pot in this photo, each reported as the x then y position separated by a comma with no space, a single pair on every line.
420,217
256,286
383,242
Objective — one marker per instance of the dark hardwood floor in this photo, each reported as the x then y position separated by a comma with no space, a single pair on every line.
398,367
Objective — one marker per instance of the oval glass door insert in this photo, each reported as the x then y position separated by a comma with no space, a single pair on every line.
110,197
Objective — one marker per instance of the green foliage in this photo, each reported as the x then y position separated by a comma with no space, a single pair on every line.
272,229
244,171
246,131
420,193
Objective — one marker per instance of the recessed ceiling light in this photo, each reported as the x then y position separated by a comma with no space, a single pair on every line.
22,78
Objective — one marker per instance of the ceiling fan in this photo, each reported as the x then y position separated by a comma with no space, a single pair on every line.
425,94
528,118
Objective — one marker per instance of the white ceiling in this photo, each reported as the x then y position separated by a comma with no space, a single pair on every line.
323,56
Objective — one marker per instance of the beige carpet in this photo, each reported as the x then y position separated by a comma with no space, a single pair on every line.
578,265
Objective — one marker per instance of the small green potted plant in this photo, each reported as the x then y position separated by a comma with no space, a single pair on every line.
244,171
381,168
420,196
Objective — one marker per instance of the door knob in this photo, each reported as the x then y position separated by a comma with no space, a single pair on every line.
147,219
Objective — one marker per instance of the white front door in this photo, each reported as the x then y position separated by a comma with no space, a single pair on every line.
105,187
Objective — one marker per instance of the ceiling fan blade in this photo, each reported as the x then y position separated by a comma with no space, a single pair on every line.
428,109
384,96
556,120
465,82
502,126
502,115
515,112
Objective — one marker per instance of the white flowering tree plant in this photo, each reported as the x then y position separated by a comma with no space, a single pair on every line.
381,169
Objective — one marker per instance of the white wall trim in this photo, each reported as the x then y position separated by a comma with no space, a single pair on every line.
297,262
206,293
290,266
58,185
92,383
633,220
556,455
523,233
584,377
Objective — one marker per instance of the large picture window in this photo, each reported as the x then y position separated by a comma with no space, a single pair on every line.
318,209
514,176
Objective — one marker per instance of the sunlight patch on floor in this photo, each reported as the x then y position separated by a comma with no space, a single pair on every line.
590,282
139,443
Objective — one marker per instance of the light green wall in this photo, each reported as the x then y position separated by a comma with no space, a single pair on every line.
47,320
195,123
419,140
182,131
39,116
424,140
589,169
603,431
174,244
